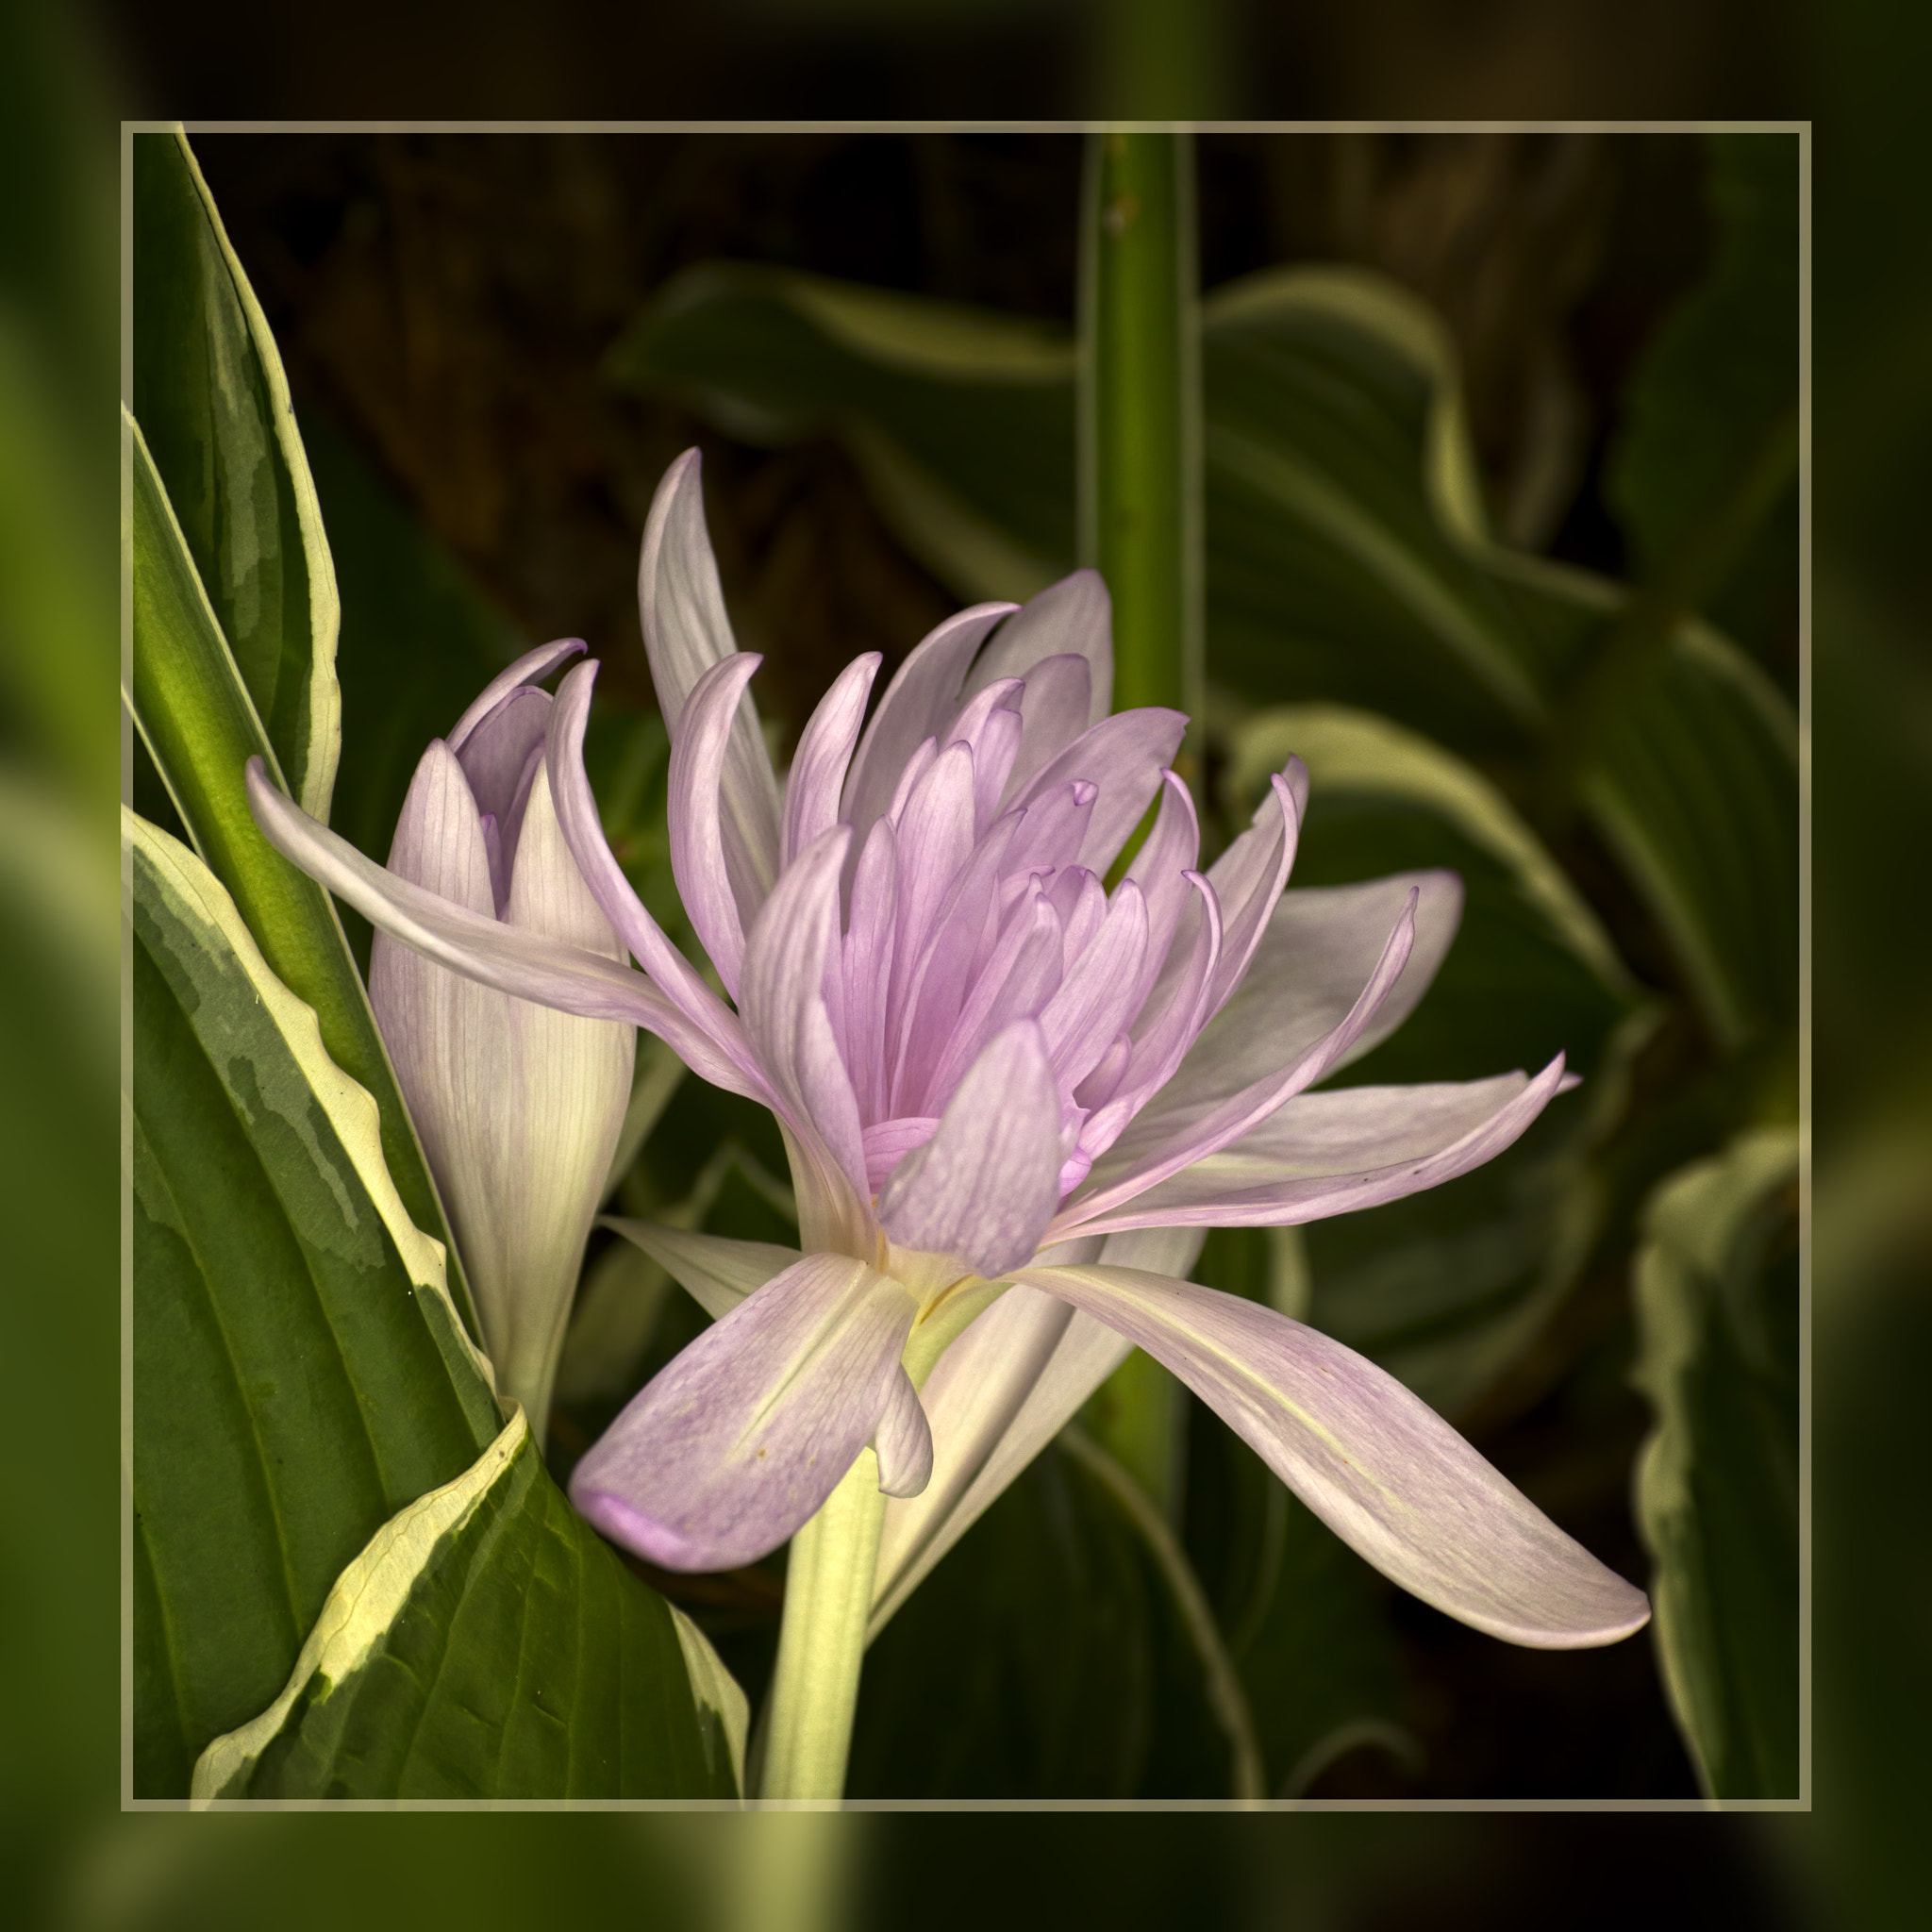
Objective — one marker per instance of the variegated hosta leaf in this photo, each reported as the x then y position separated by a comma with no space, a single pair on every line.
198,718
213,401
1718,1484
485,1644
300,1376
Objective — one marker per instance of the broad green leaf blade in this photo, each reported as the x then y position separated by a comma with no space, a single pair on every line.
213,401
1693,783
1447,1288
487,1643
198,719
960,421
1718,1483
1045,1658
299,1373
1715,383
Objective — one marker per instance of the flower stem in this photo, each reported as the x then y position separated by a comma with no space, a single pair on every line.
828,1580
1139,412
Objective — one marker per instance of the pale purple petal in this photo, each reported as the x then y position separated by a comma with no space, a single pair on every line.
1055,707
686,632
1053,828
698,812
1074,615
705,1013
484,949
1125,756
922,697
1095,999
903,1441
1018,979
1164,1139
528,669
888,1142
1385,1472
1161,869
1247,880
439,842
1306,973
817,777
1326,1154
986,1185
963,937
497,751
717,1272
734,1444
784,1018
865,967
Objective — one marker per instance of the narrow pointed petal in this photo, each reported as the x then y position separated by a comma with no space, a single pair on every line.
1319,947
483,949
1161,869
1125,756
699,811
1247,880
739,1440
1004,1390
817,777
528,669
1054,708
715,1272
1018,978
1074,615
1165,1138
576,812
686,632
923,696
784,1016
903,1441
986,1185
1326,1154
1095,999
865,966
1378,1466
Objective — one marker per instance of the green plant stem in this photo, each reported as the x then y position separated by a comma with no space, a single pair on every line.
1139,412
828,1580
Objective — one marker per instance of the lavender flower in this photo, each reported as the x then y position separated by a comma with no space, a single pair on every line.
518,1106
1012,1100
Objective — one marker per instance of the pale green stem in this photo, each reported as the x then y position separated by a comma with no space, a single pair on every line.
828,1579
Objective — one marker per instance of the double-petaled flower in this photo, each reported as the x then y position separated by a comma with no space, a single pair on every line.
1012,1099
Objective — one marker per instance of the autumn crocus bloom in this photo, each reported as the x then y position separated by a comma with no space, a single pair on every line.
1001,1086
519,1106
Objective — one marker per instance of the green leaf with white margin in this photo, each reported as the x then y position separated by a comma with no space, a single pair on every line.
1718,1480
485,1645
299,1373
1692,782
1349,554
213,402
1447,1288
300,1376
193,708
